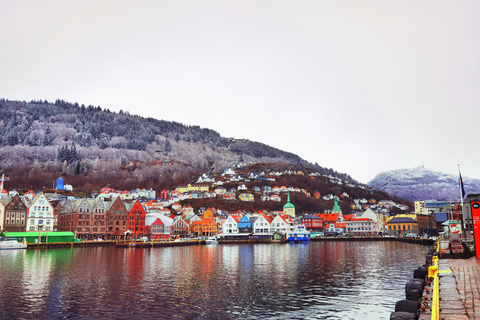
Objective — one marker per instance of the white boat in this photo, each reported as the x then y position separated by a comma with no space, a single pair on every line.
11,245
212,240
300,235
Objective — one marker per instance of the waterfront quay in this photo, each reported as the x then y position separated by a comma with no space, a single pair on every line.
189,242
459,289
118,244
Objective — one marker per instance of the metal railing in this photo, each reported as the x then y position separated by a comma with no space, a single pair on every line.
433,278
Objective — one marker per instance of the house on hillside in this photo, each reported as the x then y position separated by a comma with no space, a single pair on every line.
267,189
220,190
275,197
229,196
246,197
228,171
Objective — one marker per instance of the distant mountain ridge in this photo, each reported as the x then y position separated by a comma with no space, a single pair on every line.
419,183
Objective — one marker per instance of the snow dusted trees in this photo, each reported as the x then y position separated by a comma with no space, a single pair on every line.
99,146
68,154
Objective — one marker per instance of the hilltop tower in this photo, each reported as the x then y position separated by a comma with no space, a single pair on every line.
289,208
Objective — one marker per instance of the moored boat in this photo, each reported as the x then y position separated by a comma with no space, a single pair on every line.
11,245
299,235
212,240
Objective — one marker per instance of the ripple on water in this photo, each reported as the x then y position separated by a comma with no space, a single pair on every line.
334,280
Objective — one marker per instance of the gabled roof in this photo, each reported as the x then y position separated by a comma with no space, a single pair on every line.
157,222
269,218
361,219
204,221
153,217
312,216
236,217
328,217
286,218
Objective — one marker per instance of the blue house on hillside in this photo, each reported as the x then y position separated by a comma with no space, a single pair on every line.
60,184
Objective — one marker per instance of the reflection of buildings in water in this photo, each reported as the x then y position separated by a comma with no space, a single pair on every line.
134,269
41,278
230,258
11,259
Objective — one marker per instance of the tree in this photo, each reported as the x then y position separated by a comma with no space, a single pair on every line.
77,168
47,137
167,148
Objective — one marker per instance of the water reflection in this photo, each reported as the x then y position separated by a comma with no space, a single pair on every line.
321,280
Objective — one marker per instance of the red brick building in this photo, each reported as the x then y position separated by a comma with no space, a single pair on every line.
136,219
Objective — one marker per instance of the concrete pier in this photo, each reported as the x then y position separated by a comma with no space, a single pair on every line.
459,290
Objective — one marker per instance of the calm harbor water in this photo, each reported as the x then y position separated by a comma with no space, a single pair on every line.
320,280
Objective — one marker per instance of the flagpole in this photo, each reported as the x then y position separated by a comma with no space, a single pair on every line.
466,225
461,186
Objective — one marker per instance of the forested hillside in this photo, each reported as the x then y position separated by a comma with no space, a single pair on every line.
93,147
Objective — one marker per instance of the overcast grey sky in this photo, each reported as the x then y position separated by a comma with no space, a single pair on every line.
357,86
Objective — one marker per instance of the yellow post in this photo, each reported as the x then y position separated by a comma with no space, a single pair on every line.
433,273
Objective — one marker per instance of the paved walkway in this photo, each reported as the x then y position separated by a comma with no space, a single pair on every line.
459,289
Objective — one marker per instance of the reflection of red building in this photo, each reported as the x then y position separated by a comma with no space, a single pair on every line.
136,219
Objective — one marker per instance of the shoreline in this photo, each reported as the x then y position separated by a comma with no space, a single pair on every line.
151,244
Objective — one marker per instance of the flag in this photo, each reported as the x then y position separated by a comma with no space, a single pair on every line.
462,188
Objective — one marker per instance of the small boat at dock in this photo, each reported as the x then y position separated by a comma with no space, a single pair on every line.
299,235
12,245
211,240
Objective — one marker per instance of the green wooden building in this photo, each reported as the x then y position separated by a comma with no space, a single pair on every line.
41,236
